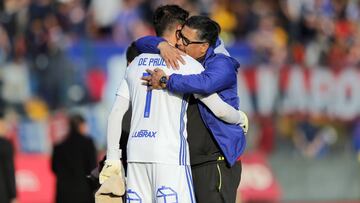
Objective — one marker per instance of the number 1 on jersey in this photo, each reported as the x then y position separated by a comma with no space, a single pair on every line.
148,100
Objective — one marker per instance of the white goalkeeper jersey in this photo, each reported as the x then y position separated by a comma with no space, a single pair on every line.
158,124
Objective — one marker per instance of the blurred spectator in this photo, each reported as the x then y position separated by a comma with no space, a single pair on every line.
15,77
36,109
72,161
192,6
223,15
129,24
313,138
4,46
112,8
72,17
7,170
269,41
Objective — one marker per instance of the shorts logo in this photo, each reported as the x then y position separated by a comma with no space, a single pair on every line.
144,134
166,195
132,197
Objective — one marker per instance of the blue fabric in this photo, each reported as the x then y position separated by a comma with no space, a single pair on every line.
148,44
220,76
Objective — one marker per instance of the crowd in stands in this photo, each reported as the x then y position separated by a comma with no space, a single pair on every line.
36,74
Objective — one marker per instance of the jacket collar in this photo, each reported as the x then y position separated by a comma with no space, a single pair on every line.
210,52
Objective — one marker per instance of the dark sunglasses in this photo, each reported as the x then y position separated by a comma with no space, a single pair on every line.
185,40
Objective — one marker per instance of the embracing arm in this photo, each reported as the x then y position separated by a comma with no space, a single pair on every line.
224,111
220,109
149,44
219,75
158,45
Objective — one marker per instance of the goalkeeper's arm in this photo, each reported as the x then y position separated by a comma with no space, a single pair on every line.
224,111
113,154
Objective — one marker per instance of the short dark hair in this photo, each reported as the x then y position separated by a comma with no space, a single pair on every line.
75,121
208,30
131,52
166,17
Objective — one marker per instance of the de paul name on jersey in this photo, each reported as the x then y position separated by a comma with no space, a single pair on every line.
154,61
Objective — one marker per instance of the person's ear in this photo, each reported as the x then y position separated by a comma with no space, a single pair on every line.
204,47
179,27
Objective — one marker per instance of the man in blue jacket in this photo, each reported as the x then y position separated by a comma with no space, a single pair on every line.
214,145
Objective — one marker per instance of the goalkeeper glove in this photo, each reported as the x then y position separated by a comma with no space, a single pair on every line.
244,122
111,167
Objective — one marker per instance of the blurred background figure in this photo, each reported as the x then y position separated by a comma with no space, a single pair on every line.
7,170
72,161
313,137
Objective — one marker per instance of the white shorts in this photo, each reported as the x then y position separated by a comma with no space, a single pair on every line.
159,183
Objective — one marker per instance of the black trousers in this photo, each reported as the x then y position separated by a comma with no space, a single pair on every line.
216,182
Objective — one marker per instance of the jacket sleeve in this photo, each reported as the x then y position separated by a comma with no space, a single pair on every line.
217,76
149,44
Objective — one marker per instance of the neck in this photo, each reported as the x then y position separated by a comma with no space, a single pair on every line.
169,37
201,58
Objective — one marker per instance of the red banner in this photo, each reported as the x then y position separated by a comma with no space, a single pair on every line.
34,179
257,181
